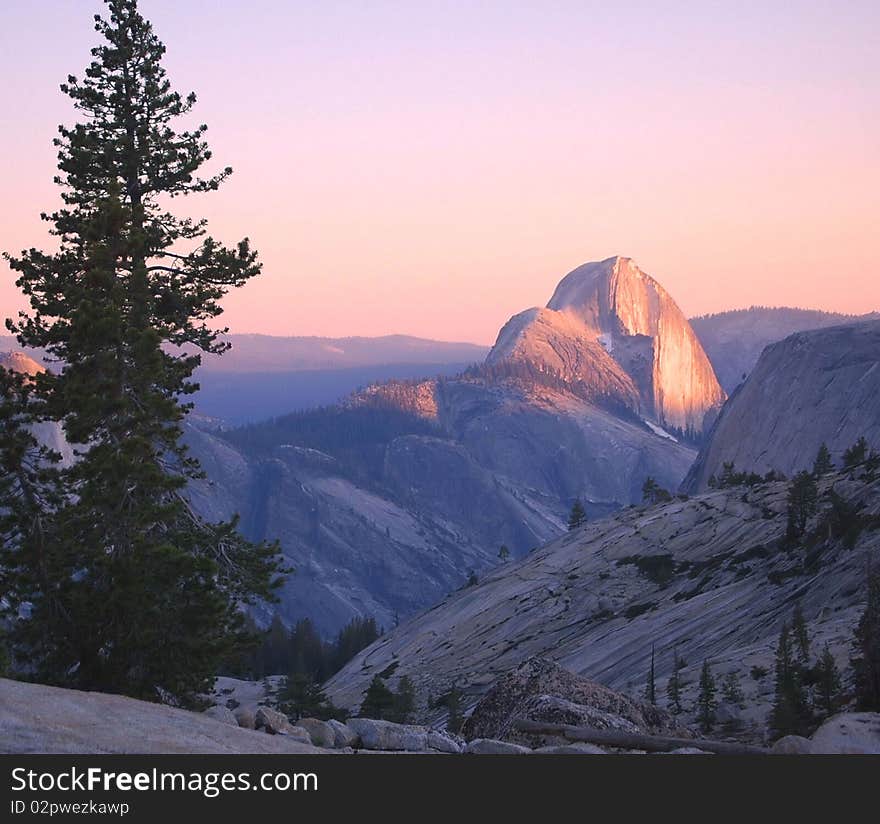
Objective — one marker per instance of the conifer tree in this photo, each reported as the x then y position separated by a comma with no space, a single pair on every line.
300,697
503,553
455,712
866,657
823,463
827,678
404,701
801,635
650,689
731,690
140,596
803,495
706,700
674,684
578,515
856,454
790,713
378,700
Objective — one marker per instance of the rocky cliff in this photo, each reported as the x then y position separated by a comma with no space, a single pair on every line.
614,328
708,577
813,387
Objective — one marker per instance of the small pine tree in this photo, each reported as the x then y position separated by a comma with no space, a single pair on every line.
706,700
378,700
827,678
653,493
472,579
803,496
503,553
801,635
455,713
674,684
404,701
823,463
578,515
300,697
650,688
856,454
866,657
790,713
731,690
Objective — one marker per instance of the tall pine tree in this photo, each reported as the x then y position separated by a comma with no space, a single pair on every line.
140,596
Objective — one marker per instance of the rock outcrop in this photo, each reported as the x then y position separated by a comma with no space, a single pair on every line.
541,690
40,719
614,329
734,340
813,387
708,576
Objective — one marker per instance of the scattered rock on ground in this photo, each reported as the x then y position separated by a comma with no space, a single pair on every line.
571,749
489,746
541,690
222,714
344,736
245,718
848,732
272,721
385,735
320,732
793,745
441,742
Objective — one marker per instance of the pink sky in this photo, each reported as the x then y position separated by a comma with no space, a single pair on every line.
431,168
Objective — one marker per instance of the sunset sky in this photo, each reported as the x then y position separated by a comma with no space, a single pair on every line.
431,168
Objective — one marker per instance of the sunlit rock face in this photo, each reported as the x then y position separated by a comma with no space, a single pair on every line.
610,325
19,362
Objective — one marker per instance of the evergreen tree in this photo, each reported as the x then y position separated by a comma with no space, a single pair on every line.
731,690
789,714
801,635
856,454
300,697
650,689
653,493
503,553
356,635
674,684
823,463
803,496
706,700
140,595
455,712
866,658
404,701
378,700
578,515
827,678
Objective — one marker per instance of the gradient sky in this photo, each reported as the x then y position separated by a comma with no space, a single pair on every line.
431,168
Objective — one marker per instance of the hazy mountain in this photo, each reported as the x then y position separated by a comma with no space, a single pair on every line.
262,376
813,387
734,340
386,502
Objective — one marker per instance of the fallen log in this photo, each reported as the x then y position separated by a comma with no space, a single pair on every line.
636,741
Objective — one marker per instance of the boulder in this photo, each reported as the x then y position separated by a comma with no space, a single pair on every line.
686,751
385,735
272,721
320,732
222,714
849,732
541,690
344,736
245,718
442,743
792,745
571,749
489,746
